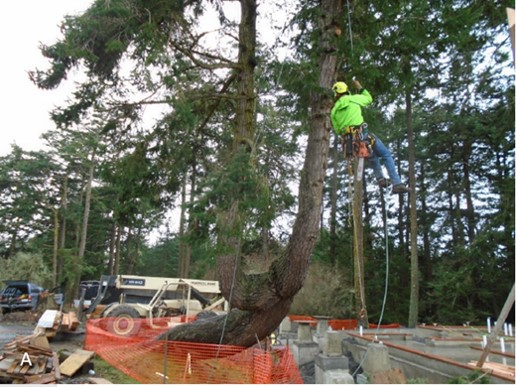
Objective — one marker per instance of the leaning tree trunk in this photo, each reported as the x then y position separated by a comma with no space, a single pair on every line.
260,301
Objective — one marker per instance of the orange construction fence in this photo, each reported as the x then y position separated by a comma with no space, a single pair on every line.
338,325
150,360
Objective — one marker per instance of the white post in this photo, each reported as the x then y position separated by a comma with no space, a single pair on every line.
505,329
361,330
489,325
502,346
510,329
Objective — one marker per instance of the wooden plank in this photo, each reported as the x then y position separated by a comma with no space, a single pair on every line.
75,361
13,366
65,321
56,368
40,341
41,379
48,318
74,321
6,364
99,381
497,368
24,369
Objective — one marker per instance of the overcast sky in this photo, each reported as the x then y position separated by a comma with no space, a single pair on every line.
24,108
25,24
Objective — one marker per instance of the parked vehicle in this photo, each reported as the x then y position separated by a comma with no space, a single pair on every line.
90,289
19,295
126,299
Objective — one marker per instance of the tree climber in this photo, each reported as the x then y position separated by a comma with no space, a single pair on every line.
346,118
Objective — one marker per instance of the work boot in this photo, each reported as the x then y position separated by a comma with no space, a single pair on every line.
400,188
382,183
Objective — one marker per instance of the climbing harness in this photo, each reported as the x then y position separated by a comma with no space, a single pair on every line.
357,142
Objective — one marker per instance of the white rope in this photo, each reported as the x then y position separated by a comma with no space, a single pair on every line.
386,237
349,27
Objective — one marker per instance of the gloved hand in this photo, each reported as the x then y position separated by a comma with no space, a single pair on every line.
357,84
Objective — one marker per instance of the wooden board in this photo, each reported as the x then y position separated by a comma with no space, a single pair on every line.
41,379
75,361
98,381
48,318
40,341
497,368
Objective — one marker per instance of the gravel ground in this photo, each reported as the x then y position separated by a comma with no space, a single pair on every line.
9,331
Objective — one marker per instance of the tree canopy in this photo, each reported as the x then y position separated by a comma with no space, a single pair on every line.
201,132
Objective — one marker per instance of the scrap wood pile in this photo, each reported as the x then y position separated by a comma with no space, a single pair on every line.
29,360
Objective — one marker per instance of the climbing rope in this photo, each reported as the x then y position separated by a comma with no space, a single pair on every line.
384,302
350,32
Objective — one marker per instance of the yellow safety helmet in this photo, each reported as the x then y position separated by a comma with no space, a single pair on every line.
340,88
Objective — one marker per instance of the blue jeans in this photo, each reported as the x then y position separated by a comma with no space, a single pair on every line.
380,151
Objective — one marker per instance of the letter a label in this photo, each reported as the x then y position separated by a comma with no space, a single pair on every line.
26,359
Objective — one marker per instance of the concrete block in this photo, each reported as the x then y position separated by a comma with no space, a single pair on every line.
304,332
332,345
322,325
335,377
285,326
376,359
329,369
327,363
304,352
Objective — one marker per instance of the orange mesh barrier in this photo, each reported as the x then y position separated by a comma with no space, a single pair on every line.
385,326
338,325
296,317
151,361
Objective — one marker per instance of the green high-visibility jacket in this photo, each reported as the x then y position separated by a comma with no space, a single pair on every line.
347,111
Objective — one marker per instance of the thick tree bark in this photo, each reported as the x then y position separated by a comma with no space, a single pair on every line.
333,201
358,244
55,213
425,227
470,208
62,230
261,301
182,224
414,256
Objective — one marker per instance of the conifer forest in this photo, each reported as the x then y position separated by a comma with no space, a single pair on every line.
197,143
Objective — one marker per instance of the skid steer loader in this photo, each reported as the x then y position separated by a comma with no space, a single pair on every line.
124,300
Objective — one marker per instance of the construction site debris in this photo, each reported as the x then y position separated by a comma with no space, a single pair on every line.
53,321
98,381
497,369
29,360
75,362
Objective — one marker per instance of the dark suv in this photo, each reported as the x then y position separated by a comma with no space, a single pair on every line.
19,295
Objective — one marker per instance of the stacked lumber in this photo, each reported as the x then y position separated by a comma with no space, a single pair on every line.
29,360
497,369
53,321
